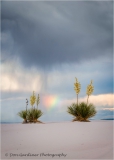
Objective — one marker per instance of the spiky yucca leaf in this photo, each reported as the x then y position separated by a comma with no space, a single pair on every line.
23,114
30,115
37,113
72,110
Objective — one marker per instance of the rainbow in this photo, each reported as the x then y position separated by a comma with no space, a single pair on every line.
51,101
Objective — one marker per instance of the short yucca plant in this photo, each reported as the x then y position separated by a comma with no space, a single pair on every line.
31,115
82,112
23,115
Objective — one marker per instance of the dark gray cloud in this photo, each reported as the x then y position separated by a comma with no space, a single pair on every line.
47,33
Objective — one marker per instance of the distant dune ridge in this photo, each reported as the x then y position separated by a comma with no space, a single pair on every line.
65,140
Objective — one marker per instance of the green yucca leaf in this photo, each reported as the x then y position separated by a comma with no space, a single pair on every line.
72,110
23,114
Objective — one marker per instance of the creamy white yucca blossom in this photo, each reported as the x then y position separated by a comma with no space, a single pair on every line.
90,90
32,99
38,101
77,88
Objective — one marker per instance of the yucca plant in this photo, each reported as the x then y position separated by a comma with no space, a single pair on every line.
23,114
33,115
82,111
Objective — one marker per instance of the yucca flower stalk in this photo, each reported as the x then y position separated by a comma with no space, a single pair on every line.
38,101
26,104
90,90
33,99
77,88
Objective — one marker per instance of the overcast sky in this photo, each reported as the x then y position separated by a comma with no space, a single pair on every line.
45,45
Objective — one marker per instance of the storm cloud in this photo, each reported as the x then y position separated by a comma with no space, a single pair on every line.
47,33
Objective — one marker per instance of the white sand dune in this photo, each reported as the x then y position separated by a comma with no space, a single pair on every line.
66,140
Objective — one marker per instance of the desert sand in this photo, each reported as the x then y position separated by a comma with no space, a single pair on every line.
65,140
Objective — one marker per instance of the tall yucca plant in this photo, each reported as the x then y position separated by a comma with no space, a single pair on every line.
89,90
32,99
82,111
77,88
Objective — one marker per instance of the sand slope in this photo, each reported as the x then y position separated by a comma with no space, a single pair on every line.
66,140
